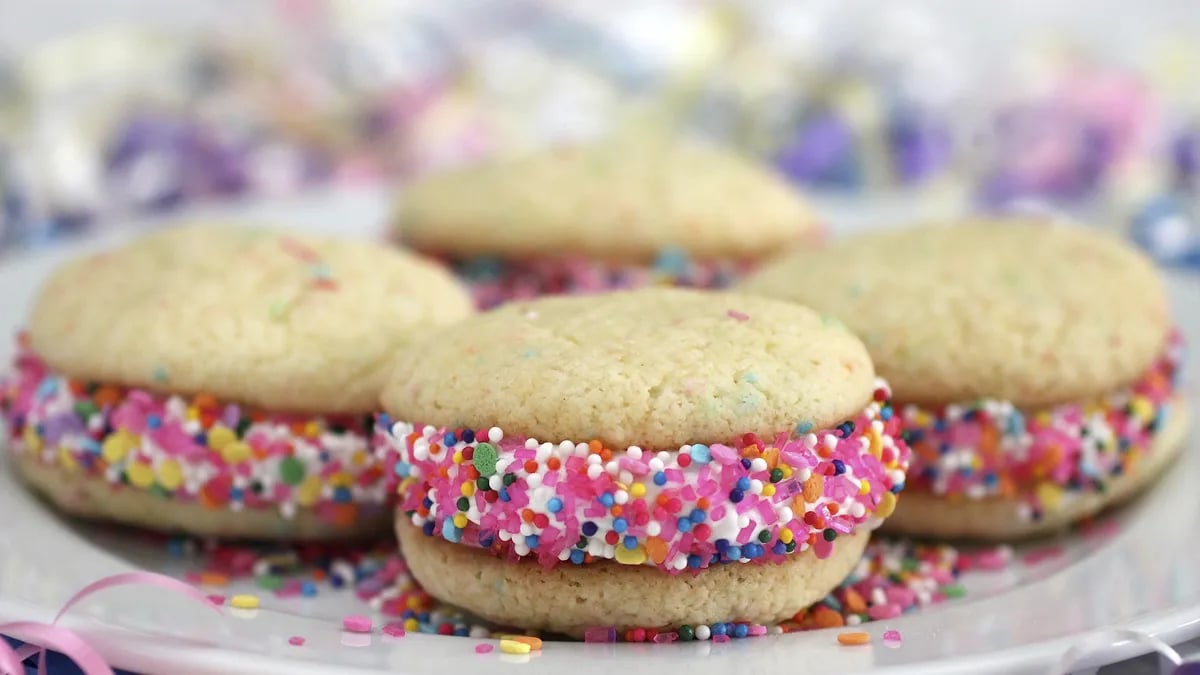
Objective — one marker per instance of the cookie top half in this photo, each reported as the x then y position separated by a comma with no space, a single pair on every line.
1016,310
626,200
254,316
657,367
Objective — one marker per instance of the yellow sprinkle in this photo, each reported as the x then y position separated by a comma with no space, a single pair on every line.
1049,495
786,536
220,436
787,470
460,520
631,556
876,446
67,460
534,643
312,429
637,490
244,601
411,625
117,445
33,441
514,647
341,479
458,458
235,452
768,490
468,489
309,491
1142,408
170,475
887,504
193,414
358,458
864,487
140,474
414,603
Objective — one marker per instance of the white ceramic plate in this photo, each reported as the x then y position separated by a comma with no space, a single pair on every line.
1144,577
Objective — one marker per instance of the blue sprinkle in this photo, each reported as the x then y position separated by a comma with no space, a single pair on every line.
721,545
577,556
91,446
701,453
630,542
448,439
468,435
47,388
308,589
504,495
606,499
342,495
589,529
804,427
752,551
426,502
779,548
427,528
153,421
886,414
743,483
746,464
833,603
684,525
733,553
897,488
719,629
736,495
384,421
660,478
532,541
554,505
402,469
423,617
337,581
619,525
698,515
175,547
236,494
451,533
694,561
741,630
461,631
839,467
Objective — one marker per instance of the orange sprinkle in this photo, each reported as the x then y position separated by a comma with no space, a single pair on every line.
617,510
656,548
318,575
203,401
345,514
661,500
833,508
814,487
527,515
214,579
825,617
553,464
531,466
594,447
854,602
106,396
854,638
702,502
772,457
606,454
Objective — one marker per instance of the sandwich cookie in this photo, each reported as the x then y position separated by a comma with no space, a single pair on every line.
1034,366
659,457
219,381
626,213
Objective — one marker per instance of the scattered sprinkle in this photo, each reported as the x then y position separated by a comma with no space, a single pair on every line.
738,316
514,647
891,638
534,643
244,601
854,638
357,623
296,641
216,599
394,630
484,648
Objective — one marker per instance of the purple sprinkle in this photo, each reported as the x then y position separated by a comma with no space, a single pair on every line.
663,638
600,634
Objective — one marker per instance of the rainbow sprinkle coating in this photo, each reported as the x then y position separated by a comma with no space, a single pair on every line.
989,448
494,281
220,455
702,505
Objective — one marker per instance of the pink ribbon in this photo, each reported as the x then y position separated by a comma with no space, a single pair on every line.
42,636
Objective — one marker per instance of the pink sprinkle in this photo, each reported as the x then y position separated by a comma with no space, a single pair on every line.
663,638
356,623
600,634
296,641
734,314
394,629
720,638
1041,554
483,648
888,611
757,629
216,599
996,559
891,636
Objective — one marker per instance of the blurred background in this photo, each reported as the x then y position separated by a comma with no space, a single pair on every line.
119,108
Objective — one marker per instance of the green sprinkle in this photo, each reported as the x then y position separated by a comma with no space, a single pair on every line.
509,479
830,534
85,409
269,582
776,475
292,471
463,504
483,483
160,374
485,459
686,633
954,591
764,536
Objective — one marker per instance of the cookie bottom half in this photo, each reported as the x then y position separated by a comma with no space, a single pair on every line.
569,599
95,498
999,519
